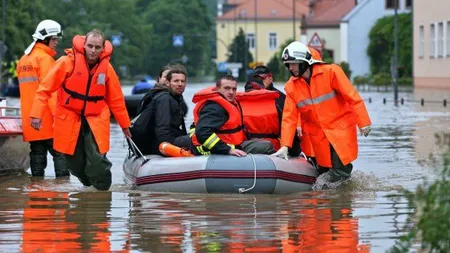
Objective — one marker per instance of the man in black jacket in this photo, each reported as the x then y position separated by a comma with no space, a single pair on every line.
212,118
264,74
167,123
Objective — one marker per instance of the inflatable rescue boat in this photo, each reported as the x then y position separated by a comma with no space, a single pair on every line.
261,174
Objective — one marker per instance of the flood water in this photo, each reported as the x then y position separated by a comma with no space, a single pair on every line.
60,215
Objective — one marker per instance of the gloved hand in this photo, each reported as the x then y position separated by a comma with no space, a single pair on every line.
299,132
365,131
282,152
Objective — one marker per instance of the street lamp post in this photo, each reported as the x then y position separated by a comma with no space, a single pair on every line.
395,72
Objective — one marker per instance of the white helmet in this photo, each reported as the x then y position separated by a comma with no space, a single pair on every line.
297,52
46,28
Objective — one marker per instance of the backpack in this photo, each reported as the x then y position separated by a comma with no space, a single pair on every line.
142,123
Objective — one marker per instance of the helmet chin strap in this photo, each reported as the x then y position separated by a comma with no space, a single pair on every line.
302,67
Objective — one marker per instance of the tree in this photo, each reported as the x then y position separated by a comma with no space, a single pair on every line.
280,72
20,25
238,50
381,46
192,21
115,18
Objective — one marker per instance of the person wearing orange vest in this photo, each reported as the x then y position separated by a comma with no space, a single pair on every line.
329,107
219,125
262,114
88,89
32,68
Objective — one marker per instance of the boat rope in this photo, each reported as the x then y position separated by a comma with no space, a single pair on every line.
243,190
135,148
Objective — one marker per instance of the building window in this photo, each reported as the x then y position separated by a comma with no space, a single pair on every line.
273,41
432,40
448,39
421,41
390,4
440,42
408,4
251,40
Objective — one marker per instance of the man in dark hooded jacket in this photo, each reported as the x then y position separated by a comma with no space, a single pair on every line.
166,118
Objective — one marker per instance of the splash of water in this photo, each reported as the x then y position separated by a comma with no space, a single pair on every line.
359,182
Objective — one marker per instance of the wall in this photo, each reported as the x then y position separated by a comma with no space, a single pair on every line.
227,30
431,69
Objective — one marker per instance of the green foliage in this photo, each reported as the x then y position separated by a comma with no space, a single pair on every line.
21,21
238,49
280,72
346,68
361,80
146,28
381,79
381,46
431,216
192,21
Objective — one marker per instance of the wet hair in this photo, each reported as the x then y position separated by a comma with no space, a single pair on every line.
171,67
167,67
225,77
174,71
96,33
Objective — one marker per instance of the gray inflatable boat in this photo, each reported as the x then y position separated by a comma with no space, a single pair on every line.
261,174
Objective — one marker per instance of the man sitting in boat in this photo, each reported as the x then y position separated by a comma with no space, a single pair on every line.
219,122
167,120
262,115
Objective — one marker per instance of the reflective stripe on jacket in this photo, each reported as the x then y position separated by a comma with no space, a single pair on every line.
32,69
260,115
232,132
330,108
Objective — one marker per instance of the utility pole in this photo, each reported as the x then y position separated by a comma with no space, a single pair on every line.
2,40
256,32
395,74
293,19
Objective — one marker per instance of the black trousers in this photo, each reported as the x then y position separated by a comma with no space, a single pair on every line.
38,158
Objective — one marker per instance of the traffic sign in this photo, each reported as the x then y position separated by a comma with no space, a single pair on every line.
178,40
316,42
222,67
116,40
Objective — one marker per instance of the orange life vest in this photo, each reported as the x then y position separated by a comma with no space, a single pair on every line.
84,91
232,132
260,115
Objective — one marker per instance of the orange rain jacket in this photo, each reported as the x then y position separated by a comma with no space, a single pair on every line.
68,121
305,143
31,70
329,109
260,115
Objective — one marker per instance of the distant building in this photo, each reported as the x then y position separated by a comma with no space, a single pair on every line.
266,23
324,19
431,43
356,25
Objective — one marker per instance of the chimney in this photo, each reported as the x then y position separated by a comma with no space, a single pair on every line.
312,6
220,8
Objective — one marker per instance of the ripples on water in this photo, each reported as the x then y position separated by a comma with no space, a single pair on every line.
60,215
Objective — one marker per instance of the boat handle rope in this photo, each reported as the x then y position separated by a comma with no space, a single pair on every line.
135,148
243,190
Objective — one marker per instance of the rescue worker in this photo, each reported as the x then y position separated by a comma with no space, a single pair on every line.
88,88
32,68
264,74
167,123
329,107
262,115
218,123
